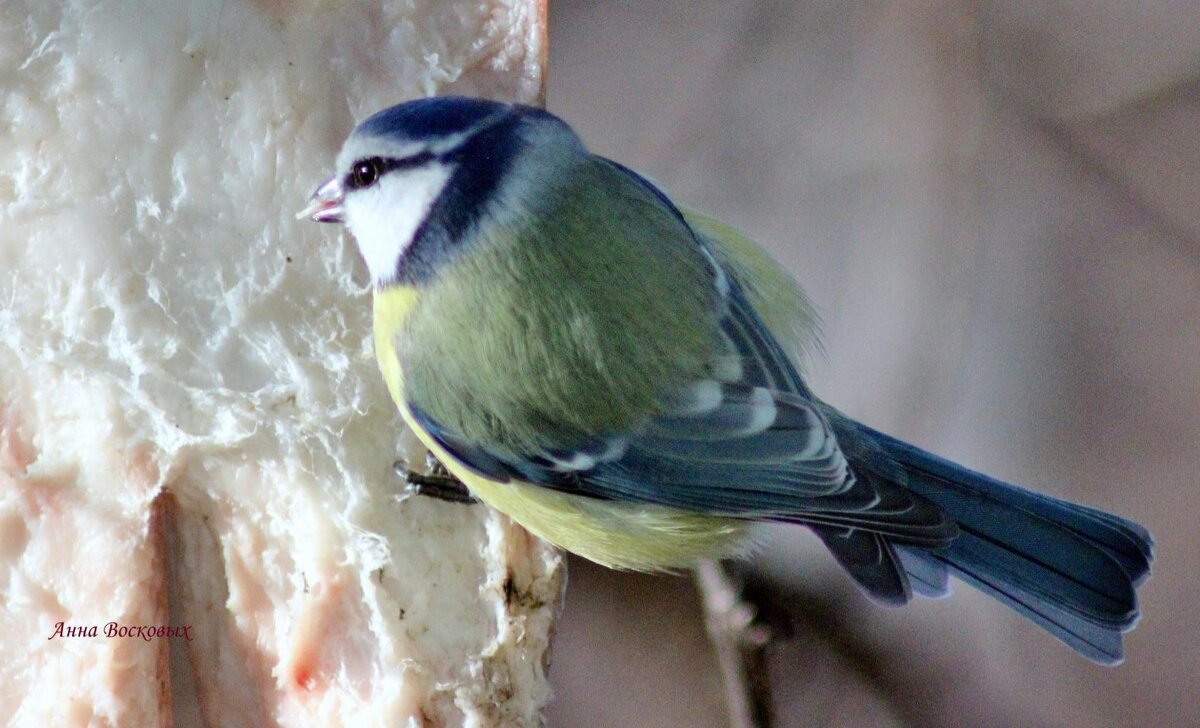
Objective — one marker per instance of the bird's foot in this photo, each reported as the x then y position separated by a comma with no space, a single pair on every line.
437,483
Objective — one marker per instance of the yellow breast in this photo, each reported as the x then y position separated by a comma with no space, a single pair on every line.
615,534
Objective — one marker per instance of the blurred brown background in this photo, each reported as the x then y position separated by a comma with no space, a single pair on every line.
997,208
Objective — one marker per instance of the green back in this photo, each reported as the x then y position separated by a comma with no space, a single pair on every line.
573,320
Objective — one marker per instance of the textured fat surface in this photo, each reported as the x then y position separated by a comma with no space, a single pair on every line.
165,324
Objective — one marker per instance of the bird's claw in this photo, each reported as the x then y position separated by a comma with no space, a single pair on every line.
438,483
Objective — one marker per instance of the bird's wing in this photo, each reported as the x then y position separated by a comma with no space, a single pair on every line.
749,441
773,294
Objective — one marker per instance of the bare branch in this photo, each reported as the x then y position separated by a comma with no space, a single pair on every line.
740,642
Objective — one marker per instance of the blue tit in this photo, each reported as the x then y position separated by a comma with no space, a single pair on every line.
621,376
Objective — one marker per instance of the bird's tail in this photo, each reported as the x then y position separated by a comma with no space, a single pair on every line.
1068,568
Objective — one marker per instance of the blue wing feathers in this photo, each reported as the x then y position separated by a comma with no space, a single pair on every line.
871,559
769,365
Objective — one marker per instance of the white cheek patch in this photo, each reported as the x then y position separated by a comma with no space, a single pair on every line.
384,218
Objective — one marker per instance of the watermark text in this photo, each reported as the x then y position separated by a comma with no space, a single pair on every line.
147,632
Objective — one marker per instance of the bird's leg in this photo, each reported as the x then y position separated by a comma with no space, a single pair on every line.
437,483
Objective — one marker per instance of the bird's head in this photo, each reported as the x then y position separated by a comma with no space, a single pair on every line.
415,181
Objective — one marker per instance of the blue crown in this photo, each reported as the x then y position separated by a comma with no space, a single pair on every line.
431,118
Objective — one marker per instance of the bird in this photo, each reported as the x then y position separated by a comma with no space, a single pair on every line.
623,376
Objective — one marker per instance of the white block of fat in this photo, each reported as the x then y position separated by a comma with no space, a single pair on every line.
166,326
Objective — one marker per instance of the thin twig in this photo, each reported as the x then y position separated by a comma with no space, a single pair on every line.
740,643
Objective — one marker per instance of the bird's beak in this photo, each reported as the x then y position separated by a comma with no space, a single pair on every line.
325,205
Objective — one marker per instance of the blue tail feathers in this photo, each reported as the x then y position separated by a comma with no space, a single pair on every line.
1071,569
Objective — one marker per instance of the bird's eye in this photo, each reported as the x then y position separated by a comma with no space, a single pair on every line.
364,173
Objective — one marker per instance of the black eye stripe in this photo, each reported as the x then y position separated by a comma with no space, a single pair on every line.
366,172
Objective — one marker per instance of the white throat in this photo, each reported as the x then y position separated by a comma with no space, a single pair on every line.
384,218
